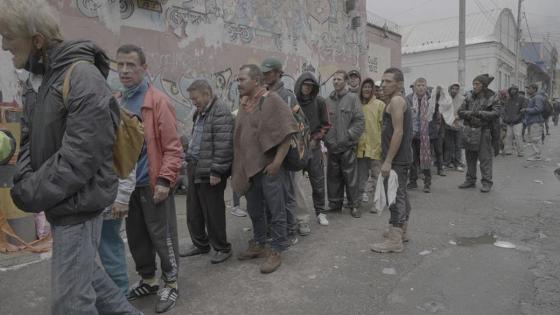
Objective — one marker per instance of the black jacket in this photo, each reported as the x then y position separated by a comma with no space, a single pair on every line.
65,165
314,106
216,148
511,113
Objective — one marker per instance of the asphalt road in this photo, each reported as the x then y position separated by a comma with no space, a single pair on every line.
450,266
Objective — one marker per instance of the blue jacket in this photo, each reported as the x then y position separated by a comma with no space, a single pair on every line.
535,107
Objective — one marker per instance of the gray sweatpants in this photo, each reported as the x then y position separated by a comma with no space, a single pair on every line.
79,285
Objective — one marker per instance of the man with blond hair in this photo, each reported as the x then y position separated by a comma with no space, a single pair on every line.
65,164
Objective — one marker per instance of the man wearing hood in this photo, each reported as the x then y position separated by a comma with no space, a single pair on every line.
479,112
347,119
354,82
512,116
315,109
534,120
65,165
453,154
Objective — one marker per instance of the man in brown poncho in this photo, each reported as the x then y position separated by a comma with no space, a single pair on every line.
261,140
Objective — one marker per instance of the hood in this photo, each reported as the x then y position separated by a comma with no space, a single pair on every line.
304,77
367,80
64,54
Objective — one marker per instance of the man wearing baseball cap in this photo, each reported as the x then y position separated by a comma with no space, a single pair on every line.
355,81
272,74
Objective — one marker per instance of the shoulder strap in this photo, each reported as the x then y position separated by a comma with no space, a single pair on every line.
66,84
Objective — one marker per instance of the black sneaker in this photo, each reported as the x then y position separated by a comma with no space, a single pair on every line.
141,290
412,185
167,298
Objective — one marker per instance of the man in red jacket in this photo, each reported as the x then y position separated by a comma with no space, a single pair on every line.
151,225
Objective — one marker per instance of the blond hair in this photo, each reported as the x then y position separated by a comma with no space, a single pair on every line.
27,18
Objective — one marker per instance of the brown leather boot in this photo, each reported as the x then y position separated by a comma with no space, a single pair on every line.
392,242
272,262
253,251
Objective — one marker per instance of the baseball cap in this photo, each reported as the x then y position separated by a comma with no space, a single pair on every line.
270,64
354,72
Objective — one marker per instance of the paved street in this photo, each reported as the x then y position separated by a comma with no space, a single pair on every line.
451,265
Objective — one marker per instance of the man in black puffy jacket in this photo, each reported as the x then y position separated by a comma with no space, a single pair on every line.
209,157
512,116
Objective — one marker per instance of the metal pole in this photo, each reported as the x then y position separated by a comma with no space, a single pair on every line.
461,61
518,43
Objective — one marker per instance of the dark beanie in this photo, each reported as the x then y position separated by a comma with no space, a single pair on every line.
485,79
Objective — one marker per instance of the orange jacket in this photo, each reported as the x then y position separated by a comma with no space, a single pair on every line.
165,153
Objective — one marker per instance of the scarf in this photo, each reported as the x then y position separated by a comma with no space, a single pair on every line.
426,114
249,103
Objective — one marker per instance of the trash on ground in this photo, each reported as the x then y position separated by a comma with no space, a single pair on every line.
389,271
425,252
504,244
452,242
247,229
548,202
538,181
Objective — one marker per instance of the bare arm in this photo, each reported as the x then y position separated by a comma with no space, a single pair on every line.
396,108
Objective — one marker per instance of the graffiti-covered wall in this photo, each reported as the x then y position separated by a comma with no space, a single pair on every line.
189,39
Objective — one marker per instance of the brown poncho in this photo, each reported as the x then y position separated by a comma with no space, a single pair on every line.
258,131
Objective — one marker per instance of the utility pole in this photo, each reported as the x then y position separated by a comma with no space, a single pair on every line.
461,62
518,43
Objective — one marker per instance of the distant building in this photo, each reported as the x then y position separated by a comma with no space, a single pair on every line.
430,50
542,59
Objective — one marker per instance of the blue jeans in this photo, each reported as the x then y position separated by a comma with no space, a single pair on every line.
266,195
112,253
79,286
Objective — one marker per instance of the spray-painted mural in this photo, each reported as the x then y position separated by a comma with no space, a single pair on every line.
186,40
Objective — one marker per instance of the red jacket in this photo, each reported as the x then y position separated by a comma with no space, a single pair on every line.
165,153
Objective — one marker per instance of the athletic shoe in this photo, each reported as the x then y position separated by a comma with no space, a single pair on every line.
142,289
167,298
322,218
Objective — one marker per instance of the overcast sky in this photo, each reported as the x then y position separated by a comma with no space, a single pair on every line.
543,15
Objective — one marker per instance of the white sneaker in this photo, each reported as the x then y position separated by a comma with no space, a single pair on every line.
365,197
322,218
238,212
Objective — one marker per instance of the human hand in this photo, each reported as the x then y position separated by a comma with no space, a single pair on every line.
214,180
272,169
160,193
386,169
119,210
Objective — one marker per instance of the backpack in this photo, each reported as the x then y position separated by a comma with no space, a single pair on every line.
547,109
298,155
130,132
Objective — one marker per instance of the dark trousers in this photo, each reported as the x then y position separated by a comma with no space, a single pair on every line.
152,228
452,152
266,194
342,173
485,154
206,212
414,168
316,171
400,210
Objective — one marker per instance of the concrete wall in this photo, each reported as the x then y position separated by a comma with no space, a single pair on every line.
186,40
440,66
